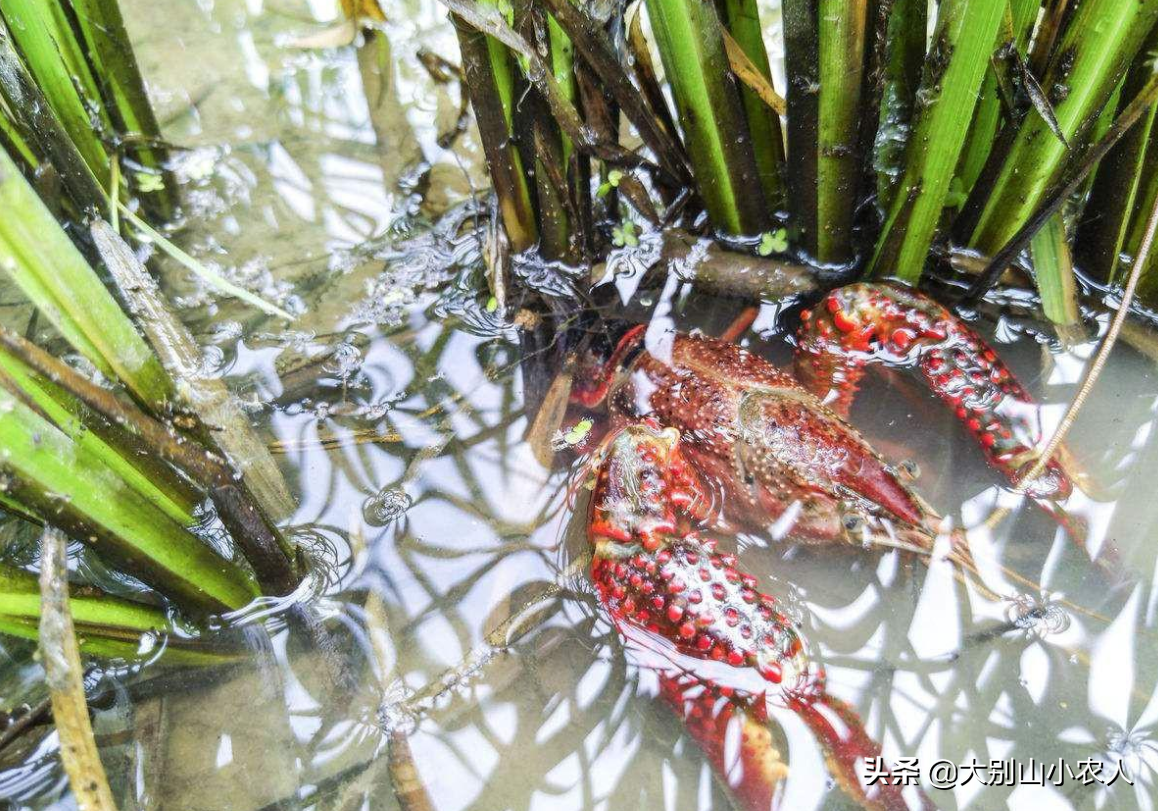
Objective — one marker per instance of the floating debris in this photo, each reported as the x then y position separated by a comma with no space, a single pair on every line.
574,437
1037,615
385,506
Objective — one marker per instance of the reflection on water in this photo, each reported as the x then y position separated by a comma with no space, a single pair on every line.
456,616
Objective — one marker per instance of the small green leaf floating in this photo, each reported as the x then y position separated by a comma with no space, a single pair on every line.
579,431
612,182
624,235
492,304
773,242
148,182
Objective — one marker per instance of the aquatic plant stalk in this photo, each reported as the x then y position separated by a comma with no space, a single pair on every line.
1123,192
144,472
593,45
40,258
540,142
123,89
741,20
60,657
1098,43
53,57
147,438
964,38
489,73
691,46
1099,362
1057,196
905,34
36,135
802,64
988,116
843,30
260,497
42,465
1053,270
209,276
106,626
643,66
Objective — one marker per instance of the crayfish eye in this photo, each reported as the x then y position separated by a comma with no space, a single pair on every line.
852,522
909,469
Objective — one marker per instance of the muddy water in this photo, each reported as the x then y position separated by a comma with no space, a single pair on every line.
449,616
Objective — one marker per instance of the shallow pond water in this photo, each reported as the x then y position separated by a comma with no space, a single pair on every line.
452,628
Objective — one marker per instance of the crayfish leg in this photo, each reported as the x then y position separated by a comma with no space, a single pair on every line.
840,731
864,323
886,323
670,590
736,737
736,733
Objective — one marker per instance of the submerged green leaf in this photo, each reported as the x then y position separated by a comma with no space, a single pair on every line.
773,242
38,256
624,235
209,276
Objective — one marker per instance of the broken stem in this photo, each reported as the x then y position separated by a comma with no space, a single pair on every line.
62,671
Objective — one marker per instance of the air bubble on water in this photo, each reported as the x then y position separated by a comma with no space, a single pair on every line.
226,332
385,506
345,362
147,644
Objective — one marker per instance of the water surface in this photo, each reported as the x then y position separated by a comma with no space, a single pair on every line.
451,607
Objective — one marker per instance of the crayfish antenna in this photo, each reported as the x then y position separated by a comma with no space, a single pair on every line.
961,555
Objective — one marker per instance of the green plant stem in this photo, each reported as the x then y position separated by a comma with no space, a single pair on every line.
901,76
540,142
66,413
253,535
691,46
965,35
802,64
1123,190
52,56
38,134
1057,196
106,626
115,65
487,66
41,465
594,46
198,268
1094,50
250,505
843,34
742,20
983,130
1053,270
40,258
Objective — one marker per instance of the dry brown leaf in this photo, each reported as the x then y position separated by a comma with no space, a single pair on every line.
750,75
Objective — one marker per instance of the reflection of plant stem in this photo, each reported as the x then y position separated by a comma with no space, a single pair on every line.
407,783
19,725
517,625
